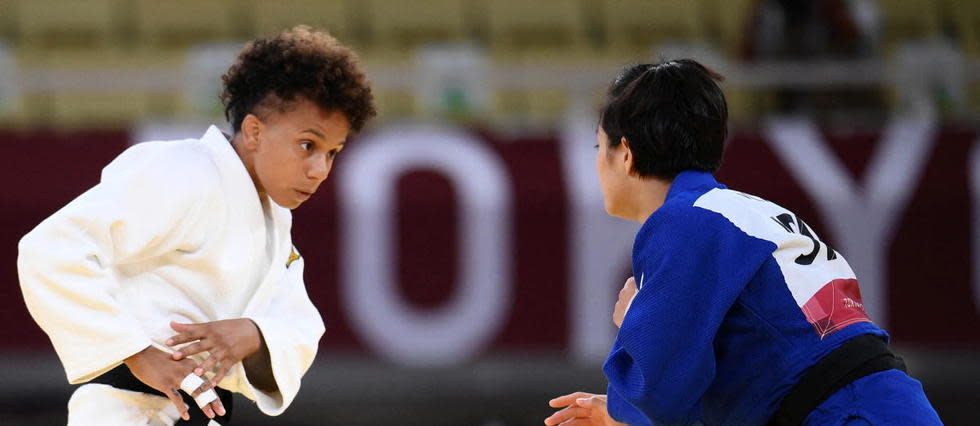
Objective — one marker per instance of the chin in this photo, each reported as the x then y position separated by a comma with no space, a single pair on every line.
609,209
287,204
614,211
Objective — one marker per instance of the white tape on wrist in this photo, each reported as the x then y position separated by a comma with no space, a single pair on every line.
191,383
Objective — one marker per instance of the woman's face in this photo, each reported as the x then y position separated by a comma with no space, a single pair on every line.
613,172
293,151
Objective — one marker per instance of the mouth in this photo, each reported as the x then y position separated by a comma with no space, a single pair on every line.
303,195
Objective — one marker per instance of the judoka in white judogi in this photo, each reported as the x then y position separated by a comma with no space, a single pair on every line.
174,231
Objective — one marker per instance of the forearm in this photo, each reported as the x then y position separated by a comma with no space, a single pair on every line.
258,367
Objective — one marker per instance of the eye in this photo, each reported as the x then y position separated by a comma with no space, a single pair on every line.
306,145
596,146
333,153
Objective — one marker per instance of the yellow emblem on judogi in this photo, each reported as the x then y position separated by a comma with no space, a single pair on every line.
292,256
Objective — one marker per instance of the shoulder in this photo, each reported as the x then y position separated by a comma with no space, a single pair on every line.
752,215
716,218
179,165
682,216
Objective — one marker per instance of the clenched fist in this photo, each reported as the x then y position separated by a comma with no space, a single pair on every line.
625,297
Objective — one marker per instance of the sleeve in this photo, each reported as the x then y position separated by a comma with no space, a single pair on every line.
692,270
292,327
66,264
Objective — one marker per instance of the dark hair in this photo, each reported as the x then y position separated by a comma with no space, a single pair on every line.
672,114
275,71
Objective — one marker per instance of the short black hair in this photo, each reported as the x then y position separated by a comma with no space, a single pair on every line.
672,114
301,63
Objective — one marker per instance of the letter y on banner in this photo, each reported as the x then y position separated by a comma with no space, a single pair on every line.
862,215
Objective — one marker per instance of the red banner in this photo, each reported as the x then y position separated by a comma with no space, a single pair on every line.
432,245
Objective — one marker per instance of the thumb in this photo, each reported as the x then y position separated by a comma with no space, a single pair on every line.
179,326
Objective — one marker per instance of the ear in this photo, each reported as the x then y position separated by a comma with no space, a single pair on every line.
251,130
627,156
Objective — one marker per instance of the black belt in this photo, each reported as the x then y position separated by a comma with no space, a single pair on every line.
856,358
121,378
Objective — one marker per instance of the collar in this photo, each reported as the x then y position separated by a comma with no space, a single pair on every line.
686,182
690,180
232,170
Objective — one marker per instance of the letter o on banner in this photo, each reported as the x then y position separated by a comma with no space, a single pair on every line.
481,301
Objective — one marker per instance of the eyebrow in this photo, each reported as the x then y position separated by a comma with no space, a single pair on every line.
315,132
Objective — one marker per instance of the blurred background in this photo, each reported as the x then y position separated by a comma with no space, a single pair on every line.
470,284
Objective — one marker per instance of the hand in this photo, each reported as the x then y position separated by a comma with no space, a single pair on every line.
625,297
156,368
227,342
581,409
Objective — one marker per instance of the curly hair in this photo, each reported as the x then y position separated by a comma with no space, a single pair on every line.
274,72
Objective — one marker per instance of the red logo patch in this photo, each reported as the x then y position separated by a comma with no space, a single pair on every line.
837,305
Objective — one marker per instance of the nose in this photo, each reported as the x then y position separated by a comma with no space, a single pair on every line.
319,167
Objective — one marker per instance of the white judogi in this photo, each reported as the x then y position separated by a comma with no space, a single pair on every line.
175,231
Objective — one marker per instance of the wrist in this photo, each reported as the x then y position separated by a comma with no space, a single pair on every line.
256,340
130,360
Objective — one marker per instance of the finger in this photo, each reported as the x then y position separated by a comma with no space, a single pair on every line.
178,402
569,399
220,374
191,349
593,403
180,338
186,332
182,327
200,389
205,399
565,414
191,382
190,365
577,422
185,337
218,407
208,411
208,365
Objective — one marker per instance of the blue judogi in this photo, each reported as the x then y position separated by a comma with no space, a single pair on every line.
737,298
885,398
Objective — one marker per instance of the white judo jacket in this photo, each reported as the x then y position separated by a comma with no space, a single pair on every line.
174,231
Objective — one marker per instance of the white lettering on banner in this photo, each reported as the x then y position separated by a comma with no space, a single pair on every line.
862,216
479,306
975,253
601,246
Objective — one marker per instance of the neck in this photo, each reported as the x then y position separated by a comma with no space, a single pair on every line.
651,194
238,143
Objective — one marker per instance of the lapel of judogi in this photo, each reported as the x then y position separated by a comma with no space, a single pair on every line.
281,224
241,192
242,189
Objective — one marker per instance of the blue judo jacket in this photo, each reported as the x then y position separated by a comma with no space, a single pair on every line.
737,298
